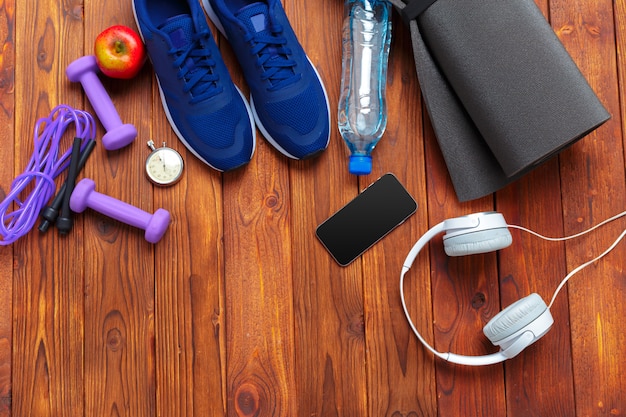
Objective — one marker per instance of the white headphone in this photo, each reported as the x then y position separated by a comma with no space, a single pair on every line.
520,324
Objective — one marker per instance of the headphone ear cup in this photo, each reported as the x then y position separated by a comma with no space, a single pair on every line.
514,318
477,242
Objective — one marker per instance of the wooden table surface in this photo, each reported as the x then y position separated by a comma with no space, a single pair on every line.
239,310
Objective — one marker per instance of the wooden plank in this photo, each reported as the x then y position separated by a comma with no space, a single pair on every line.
47,301
540,380
119,268
260,377
592,172
189,316
259,310
328,299
189,274
620,37
7,173
465,296
401,374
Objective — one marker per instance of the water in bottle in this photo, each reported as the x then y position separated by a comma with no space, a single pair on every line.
362,116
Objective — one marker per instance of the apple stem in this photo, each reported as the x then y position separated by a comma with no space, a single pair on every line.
119,47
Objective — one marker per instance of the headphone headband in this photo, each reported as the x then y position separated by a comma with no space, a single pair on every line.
479,226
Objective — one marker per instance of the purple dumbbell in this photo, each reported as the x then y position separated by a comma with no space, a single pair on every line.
84,195
85,70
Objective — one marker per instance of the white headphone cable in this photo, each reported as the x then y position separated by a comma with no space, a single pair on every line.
559,239
586,264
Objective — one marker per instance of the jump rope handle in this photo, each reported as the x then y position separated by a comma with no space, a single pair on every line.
50,213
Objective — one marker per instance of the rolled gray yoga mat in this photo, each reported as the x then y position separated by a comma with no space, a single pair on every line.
502,93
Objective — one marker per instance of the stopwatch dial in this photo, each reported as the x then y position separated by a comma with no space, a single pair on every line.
164,166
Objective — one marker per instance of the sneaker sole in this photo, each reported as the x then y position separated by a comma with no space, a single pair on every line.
168,115
218,24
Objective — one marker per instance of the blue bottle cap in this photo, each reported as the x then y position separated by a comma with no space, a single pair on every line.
360,165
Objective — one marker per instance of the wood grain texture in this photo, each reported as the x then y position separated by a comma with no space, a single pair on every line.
260,377
189,283
119,263
592,176
328,299
240,311
465,296
620,38
401,376
47,298
543,372
7,173
259,293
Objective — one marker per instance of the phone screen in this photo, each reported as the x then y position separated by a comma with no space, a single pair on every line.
366,219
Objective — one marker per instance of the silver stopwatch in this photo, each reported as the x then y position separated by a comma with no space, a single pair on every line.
164,166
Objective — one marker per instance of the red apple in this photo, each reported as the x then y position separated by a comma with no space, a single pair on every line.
119,52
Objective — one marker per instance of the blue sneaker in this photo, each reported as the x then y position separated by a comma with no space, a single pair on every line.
287,96
205,109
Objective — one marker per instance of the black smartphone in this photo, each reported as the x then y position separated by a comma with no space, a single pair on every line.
366,219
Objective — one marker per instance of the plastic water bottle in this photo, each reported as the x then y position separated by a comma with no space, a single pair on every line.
362,116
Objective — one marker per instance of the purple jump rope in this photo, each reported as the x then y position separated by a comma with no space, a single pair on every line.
19,212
